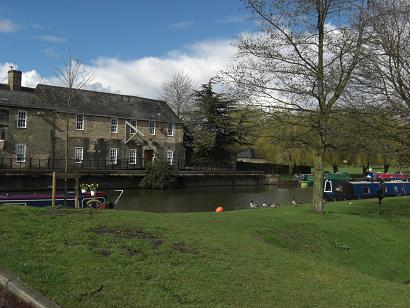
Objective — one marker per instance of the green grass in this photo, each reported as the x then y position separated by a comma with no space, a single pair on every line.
287,257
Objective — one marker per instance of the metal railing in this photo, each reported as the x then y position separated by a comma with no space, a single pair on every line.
44,164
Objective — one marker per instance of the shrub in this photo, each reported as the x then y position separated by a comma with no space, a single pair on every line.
159,175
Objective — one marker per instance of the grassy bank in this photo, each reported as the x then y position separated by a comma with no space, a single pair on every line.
264,257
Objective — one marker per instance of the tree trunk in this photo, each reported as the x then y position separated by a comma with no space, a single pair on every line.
291,168
317,198
385,166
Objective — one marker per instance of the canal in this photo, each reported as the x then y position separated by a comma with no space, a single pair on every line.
206,199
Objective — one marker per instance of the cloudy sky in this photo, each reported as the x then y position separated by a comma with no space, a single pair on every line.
133,46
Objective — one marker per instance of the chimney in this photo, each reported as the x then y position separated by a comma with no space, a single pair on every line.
14,79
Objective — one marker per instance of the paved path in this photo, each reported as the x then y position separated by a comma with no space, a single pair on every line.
16,293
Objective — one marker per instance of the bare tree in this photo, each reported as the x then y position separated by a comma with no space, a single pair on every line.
299,66
177,91
73,75
386,73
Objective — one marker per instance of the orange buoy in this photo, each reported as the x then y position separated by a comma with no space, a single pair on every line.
219,209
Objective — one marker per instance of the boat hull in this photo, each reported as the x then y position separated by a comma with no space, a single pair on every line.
43,200
363,189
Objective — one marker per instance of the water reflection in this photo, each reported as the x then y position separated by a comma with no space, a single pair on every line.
206,199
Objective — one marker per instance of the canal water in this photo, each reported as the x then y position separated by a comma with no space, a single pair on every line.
206,199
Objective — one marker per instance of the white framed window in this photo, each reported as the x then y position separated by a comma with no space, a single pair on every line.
133,157
22,119
170,129
328,186
78,155
170,157
20,153
152,127
114,125
113,156
133,123
79,121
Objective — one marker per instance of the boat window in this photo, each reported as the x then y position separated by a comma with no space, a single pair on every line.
366,190
328,186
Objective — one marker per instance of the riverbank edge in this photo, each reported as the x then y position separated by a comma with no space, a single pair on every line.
14,285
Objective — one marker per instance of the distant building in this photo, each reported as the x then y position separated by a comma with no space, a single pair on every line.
105,129
249,156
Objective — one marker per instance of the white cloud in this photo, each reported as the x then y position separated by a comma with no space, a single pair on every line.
182,25
6,25
233,19
144,76
51,38
51,52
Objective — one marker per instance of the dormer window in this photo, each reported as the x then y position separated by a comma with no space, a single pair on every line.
79,122
22,119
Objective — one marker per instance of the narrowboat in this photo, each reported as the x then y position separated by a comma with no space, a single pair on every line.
86,200
308,179
345,190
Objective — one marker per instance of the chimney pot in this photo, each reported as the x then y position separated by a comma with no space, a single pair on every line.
14,79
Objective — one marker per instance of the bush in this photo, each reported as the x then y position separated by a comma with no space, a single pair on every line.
159,175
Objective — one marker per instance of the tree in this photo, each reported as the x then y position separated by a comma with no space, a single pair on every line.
72,76
160,175
386,72
214,131
177,91
300,65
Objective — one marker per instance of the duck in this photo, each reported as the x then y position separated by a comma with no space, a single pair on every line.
252,205
273,205
295,203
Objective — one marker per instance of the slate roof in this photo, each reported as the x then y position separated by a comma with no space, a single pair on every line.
89,103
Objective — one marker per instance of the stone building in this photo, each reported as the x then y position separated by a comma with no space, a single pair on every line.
104,129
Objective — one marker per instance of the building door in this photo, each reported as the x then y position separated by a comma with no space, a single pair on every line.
148,155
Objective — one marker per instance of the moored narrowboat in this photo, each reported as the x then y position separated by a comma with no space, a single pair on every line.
344,190
41,200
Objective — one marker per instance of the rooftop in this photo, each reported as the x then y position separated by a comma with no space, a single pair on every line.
88,102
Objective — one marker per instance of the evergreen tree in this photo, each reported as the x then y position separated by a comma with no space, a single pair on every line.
214,132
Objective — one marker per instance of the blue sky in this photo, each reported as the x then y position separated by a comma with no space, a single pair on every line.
120,35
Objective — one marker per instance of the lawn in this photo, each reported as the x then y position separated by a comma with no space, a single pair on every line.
285,257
